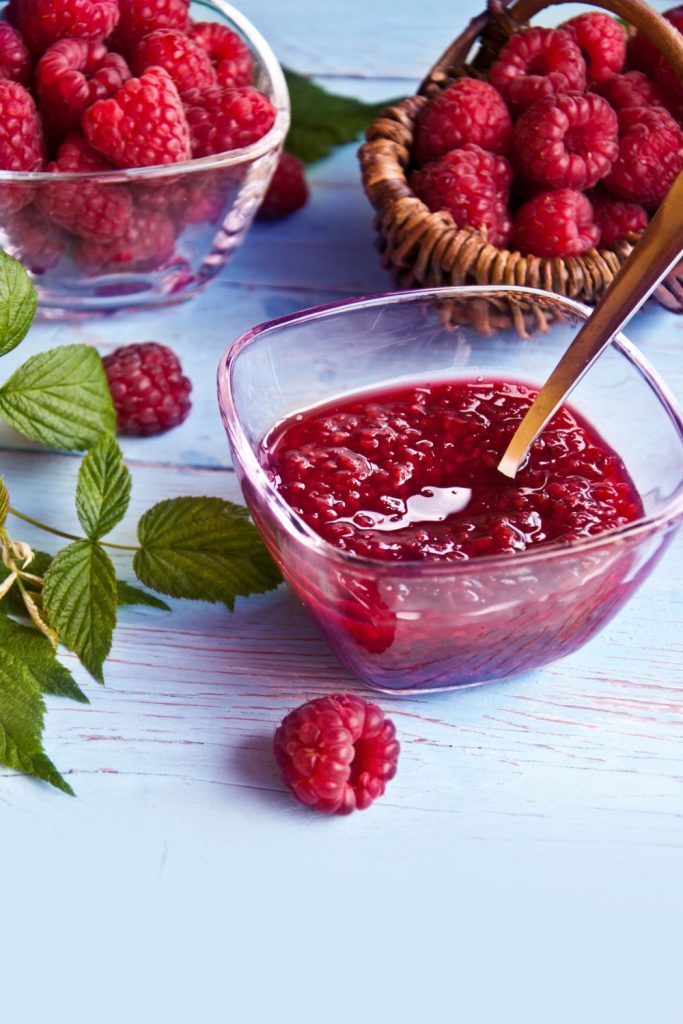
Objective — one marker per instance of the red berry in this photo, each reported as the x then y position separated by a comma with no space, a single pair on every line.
140,17
472,186
337,753
650,155
538,62
146,245
643,54
148,388
634,89
617,218
43,22
467,111
33,239
602,42
558,223
567,141
230,56
143,124
72,75
671,87
15,60
86,208
287,191
21,137
187,64
225,119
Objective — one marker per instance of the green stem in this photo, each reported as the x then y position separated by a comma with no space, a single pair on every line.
67,536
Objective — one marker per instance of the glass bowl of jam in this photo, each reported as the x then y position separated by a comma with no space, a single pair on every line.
366,437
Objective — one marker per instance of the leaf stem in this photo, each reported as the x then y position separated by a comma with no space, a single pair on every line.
62,533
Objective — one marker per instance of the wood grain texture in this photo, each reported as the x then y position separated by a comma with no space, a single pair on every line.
524,867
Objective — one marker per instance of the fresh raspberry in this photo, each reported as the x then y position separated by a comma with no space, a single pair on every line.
634,89
337,753
21,137
225,119
671,87
86,208
148,389
34,240
558,223
143,124
287,191
72,75
43,22
187,64
15,60
538,62
567,141
140,17
467,111
472,186
617,218
643,54
146,245
230,56
602,42
650,155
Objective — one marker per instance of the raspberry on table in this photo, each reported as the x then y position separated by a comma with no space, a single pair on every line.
147,243
187,64
472,185
140,17
43,22
632,89
230,56
650,155
538,62
288,190
226,119
88,209
557,223
147,385
467,111
337,753
602,42
15,60
21,136
143,124
616,218
567,141
71,75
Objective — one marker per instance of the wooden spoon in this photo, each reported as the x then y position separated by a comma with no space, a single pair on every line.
655,254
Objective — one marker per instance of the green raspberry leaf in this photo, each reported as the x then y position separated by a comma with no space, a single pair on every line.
202,548
79,601
21,722
135,595
37,654
322,120
18,301
60,398
103,490
4,502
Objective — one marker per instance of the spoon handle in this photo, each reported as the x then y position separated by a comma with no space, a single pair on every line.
657,251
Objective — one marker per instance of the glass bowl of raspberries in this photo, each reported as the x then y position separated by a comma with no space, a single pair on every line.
366,436
137,140
539,159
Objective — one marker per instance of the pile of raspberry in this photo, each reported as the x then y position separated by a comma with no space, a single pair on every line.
98,85
571,143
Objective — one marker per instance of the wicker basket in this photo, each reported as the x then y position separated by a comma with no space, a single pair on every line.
425,248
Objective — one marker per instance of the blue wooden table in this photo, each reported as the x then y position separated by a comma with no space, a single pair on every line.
525,866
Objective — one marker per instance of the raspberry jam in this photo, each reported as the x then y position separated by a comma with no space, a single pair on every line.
409,473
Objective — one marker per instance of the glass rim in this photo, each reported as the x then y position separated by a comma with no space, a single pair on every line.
297,529
231,158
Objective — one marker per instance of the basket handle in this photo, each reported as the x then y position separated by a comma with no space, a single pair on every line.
510,15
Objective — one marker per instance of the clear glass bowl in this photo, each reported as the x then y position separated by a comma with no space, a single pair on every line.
189,218
414,626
